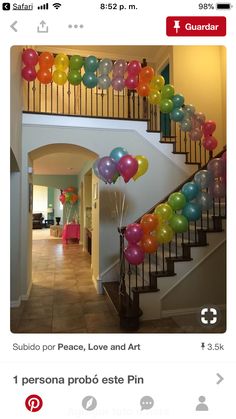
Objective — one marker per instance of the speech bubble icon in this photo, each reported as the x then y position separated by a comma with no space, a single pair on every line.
146,403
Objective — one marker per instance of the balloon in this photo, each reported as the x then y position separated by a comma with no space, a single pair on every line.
178,100
74,77
119,68
177,115
179,223
90,80
91,64
46,60
167,91
186,125
177,201
154,97
149,223
76,62
115,177
127,166
224,156
195,134
216,167
189,109
29,73
67,197
118,152
118,83
142,166
104,82
105,66
62,198
149,243
217,188
107,168
164,212
131,82
208,127
200,117
30,57
134,233
59,77
203,179
96,170
204,200
164,234
166,106
192,211
190,190
61,62
134,254
134,67
74,198
143,89
146,74
157,83
69,189
209,143
44,76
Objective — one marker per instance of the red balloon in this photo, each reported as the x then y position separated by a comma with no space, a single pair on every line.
69,189
29,73
127,166
208,128
134,67
134,254
149,243
74,198
131,82
44,76
30,57
133,233
149,223
46,60
62,198
209,143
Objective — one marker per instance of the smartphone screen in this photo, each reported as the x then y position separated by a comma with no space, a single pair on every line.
118,286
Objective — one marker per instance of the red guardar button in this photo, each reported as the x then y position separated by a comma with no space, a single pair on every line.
33,403
195,26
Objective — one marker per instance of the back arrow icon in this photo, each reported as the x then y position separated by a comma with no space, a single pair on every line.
13,26
220,378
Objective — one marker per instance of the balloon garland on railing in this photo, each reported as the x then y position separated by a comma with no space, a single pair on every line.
174,215
132,76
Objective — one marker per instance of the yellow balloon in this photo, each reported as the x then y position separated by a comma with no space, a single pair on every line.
59,77
154,97
61,62
157,82
164,234
142,166
164,212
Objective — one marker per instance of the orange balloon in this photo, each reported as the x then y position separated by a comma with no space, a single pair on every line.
74,198
44,76
149,244
149,223
46,60
143,89
146,74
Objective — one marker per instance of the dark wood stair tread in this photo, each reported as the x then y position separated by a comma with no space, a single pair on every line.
145,289
179,259
112,291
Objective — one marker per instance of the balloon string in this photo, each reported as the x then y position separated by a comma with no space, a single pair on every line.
122,210
117,211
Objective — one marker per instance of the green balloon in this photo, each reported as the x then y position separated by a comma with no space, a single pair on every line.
91,64
166,106
177,201
74,77
168,91
90,80
76,62
179,223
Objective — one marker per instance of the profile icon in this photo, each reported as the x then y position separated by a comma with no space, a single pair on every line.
202,407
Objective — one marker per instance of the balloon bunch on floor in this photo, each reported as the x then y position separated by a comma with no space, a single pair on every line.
120,163
173,216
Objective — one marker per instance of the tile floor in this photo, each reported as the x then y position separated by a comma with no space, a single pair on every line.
63,298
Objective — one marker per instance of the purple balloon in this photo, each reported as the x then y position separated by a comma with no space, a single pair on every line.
127,166
133,233
96,170
107,168
119,68
134,254
118,83
216,167
217,188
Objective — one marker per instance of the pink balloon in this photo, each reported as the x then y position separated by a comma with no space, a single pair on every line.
195,134
209,143
127,166
134,67
134,254
134,233
131,82
118,83
223,157
29,73
30,57
208,128
217,188
200,118
62,198
216,167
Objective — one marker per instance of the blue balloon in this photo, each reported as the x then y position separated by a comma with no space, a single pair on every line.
192,211
177,115
178,100
190,190
118,152
205,201
203,179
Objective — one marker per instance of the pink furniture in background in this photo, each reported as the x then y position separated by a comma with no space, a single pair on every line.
70,231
